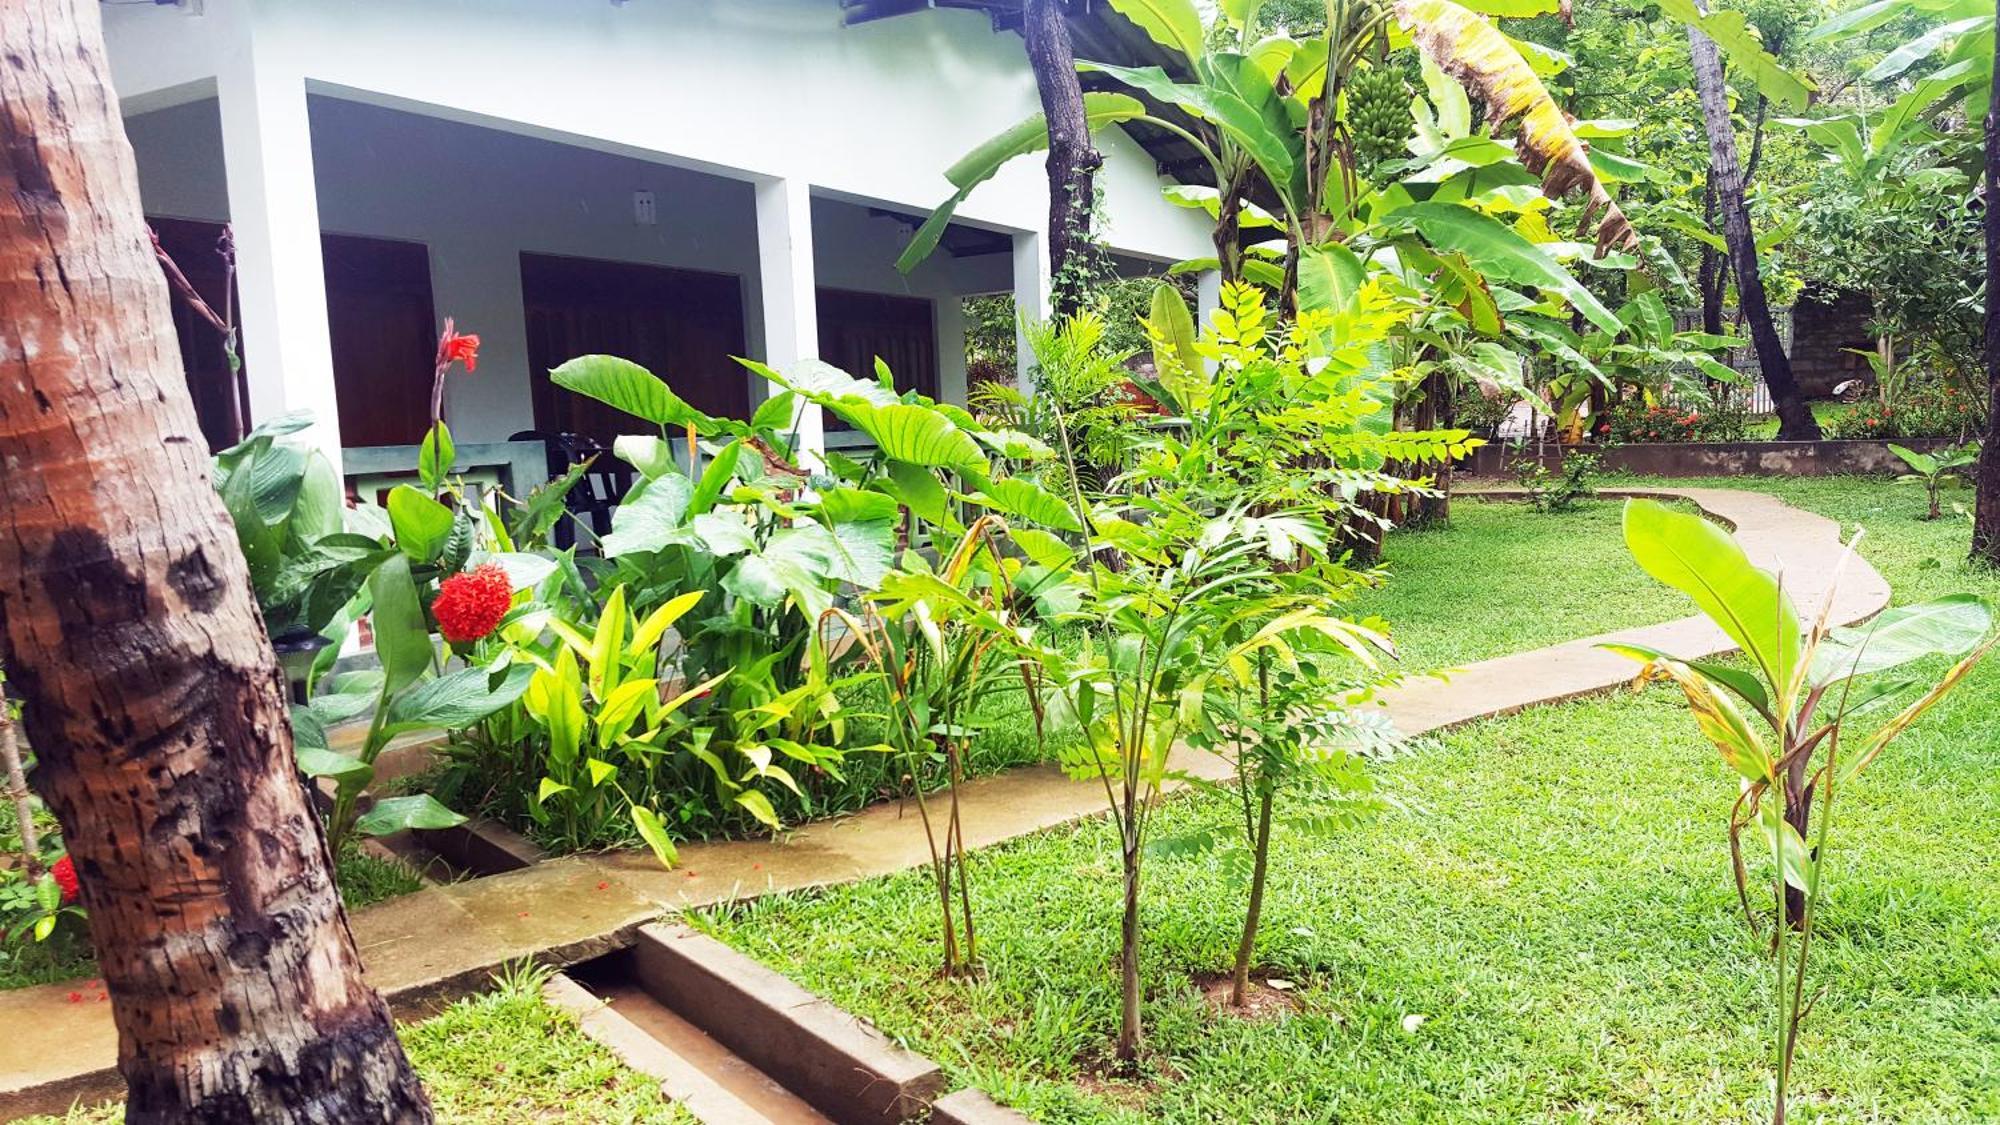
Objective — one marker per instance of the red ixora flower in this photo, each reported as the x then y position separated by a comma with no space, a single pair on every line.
64,871
470,605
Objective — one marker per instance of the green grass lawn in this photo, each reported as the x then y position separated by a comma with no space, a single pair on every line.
503,1058
1536,579
1548,934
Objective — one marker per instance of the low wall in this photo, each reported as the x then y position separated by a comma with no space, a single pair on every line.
1717,459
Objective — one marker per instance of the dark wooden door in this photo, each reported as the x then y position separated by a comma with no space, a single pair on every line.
682,325
383,328
857,328
218,401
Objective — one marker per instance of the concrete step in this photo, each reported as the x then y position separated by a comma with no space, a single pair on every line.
706,1078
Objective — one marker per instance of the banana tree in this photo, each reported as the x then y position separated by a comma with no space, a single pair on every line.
1785,724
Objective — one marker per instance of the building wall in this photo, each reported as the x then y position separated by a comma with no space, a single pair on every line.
478,198
756,88
1824,326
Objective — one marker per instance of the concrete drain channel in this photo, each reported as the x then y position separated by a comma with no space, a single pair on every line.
738,1044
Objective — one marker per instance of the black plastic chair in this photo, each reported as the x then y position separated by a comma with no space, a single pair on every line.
595,496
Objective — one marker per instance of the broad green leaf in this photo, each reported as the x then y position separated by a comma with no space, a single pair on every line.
436,457
457,699
1266,136
758,806
651,454
1949,626
649,517
549,788
624,385
653,830
606,643
393,814
724,534
918,435
346,769
715,478
1330,277
422,525
1469,47
982,163
1738,39
1173,330
1746,686
1782,843
1042,548
918,490
1018,496
1500,251
1173,24
1908,54
1704,562
402,638
1867,17
656,624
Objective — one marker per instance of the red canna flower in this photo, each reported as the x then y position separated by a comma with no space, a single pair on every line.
65,876
456,348
469,606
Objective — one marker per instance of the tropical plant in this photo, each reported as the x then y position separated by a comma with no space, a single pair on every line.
411,691
1285,701
1785,724
286,503
1933,470
1565,490
942,641
1213,551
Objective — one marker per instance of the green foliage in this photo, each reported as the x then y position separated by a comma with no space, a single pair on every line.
1572,486
1786,730
1934,470
285,502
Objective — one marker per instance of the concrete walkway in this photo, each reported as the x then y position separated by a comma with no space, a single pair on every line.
439,942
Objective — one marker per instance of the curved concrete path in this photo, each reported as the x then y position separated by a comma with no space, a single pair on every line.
441,941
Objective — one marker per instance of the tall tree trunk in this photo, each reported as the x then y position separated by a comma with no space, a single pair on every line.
128,630
1986,517
1712,275
1795,419
1073,162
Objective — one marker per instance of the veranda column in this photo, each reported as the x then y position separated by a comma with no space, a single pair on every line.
274,215
791,304
1033,289
1207,296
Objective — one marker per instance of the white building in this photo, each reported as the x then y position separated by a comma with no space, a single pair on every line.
674,180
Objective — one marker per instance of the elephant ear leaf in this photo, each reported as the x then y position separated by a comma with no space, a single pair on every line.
1467,47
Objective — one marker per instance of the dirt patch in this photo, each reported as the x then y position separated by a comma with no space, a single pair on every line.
1261,1001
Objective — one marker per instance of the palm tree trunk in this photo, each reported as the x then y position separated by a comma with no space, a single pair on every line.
1073,163
1795,418
1986,517
128,630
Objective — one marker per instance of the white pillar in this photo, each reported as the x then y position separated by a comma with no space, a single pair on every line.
1033,296
790,299
274,217
1207,296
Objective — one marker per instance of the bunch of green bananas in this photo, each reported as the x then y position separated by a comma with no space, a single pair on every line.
1378,118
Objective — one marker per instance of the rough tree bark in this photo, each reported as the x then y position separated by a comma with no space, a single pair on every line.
1986,516
129,633
1795,419
1073,162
